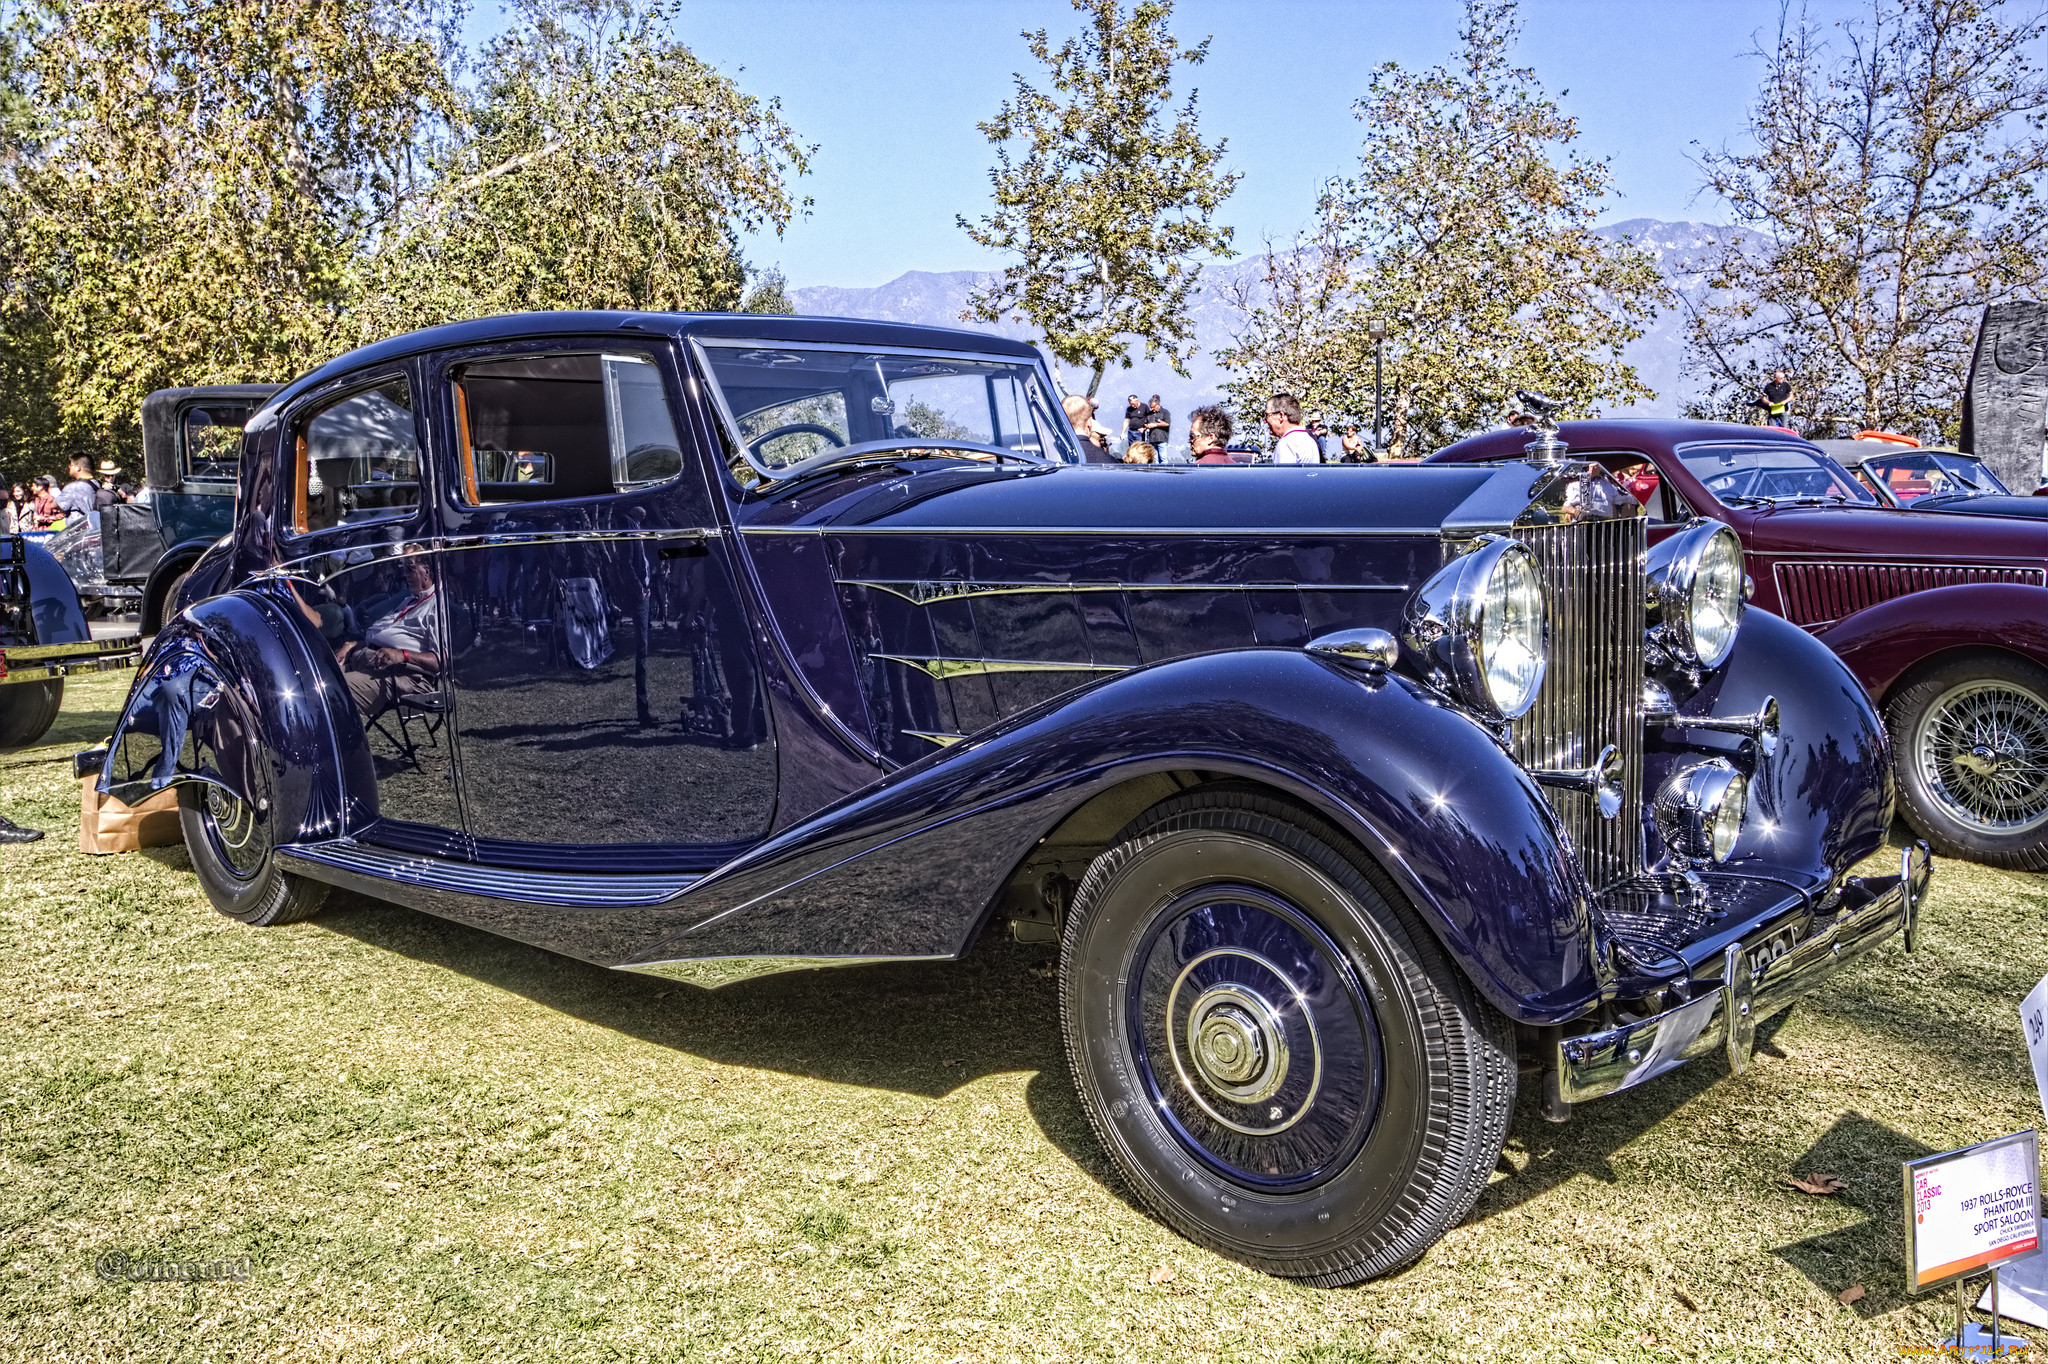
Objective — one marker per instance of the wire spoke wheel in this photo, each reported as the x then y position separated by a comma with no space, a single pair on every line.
1982,750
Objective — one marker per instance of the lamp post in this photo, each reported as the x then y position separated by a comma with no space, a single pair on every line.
1377,330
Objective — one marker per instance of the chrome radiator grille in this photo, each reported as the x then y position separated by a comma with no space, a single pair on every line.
1593,574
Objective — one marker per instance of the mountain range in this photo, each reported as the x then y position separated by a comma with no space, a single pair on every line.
922,296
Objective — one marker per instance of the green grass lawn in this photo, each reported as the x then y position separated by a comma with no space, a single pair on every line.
435,1144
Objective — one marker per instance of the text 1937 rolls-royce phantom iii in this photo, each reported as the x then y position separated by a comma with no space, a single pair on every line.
712,646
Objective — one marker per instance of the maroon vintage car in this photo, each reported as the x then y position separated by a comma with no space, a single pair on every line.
1943,619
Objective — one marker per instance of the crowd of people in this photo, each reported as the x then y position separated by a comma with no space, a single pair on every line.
42,504
1148,427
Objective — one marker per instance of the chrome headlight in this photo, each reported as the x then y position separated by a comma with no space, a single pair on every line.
1479,626
1699,812
1696,592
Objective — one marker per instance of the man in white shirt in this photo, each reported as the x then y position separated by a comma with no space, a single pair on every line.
1292,444
401,650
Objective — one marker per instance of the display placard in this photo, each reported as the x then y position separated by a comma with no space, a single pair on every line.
1970,1210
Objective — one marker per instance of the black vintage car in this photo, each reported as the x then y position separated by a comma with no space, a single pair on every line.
44,638
133,556
717,646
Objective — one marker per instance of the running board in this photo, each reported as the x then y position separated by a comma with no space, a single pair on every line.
349,864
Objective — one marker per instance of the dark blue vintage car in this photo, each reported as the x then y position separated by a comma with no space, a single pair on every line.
714,646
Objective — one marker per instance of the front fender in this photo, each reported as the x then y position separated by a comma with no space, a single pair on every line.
910,867
1824,800
1884,642
230,694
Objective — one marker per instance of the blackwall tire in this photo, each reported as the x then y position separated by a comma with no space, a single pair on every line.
27,710
156,612
1273,1049
230,846
1970,747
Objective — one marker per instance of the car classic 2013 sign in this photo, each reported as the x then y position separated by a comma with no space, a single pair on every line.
1972,1210
714,646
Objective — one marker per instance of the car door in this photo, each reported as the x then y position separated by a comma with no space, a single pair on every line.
609,704
357,551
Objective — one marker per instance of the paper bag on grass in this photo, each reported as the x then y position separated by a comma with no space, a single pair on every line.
106,825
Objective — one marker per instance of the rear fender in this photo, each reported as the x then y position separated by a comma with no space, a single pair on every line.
53,598
231,695
912,867
1885,642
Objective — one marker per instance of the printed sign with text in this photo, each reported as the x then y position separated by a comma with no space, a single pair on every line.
1969,1210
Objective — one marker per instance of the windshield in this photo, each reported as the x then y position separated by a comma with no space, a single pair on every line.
1932,473
790,403
1771,473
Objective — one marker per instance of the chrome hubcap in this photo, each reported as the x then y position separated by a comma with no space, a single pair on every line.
234,830
1982,749
1237,1043
1254,1037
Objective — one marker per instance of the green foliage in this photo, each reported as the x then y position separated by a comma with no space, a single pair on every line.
1107,208
927,421
770,294
201,191
1894,189
197,180
1467,229
603,166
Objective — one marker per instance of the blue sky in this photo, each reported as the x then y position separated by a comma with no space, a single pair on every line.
891,91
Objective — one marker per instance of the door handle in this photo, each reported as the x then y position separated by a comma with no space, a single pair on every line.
682,551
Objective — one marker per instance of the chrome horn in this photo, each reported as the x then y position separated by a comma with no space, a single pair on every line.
1660,713
1603,780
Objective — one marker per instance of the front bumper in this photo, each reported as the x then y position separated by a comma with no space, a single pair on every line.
44,662
1724,1017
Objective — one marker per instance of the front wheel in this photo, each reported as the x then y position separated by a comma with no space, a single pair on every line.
1972,745
1273,1049
229,841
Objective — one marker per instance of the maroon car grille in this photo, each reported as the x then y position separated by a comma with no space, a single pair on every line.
1817,594
1592,696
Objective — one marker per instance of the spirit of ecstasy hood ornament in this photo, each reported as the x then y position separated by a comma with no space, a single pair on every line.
1546,448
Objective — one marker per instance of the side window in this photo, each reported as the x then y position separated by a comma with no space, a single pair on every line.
358,459
210,437
536,428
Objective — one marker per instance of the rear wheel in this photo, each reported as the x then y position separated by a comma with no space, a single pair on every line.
1271,1046
27,710
1971,740
229,841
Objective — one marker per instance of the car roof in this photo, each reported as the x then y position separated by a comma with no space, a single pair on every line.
1661,435
748,326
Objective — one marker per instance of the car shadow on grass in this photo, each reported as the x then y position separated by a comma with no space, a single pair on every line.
928,1029
915,1028
924,1029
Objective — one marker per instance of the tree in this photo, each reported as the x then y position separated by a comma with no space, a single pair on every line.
1892,189
603,166
1107,208
197,183
1467,229
770,294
